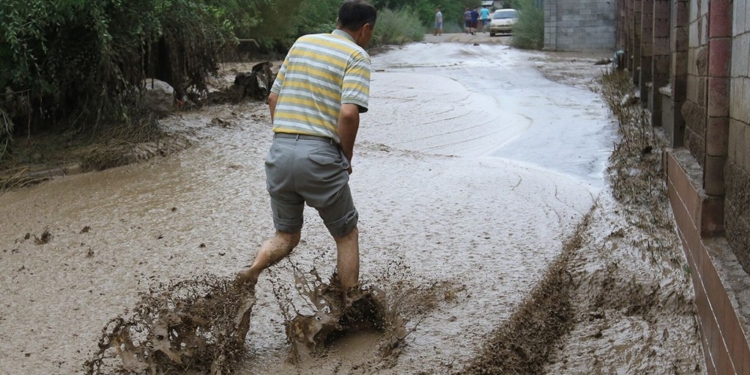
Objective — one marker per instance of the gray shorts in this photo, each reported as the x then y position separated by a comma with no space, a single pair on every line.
314,171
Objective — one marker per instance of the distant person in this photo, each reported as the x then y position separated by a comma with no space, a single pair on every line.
438,22
474,20
320,90
467,20
484,15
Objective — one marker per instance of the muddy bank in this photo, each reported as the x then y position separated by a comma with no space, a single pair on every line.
48,155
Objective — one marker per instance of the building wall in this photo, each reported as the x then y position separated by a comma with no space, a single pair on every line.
737,199
706,113
694,108
579,25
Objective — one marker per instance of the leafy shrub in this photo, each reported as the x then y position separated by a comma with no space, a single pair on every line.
528,32
453,11
77,62
397,27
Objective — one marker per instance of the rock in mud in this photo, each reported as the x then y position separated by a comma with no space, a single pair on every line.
158,96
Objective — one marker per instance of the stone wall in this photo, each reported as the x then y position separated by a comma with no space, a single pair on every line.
737,179
579,25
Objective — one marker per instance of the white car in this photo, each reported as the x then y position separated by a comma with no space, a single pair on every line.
503,21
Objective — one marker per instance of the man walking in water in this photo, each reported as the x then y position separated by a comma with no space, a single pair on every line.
474,20
320,90
484,15
438,22
467,20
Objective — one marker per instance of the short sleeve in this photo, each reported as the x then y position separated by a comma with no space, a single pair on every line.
276,88
356,87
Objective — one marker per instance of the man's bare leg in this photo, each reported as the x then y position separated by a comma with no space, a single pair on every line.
347,264
271,252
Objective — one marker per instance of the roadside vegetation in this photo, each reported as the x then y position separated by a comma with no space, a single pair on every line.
397,27
75,66
528,32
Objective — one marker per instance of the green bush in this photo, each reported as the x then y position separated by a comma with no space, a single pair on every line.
528,32
75,63
397,27
453,11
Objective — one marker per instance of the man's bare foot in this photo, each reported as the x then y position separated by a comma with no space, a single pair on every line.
351,295
248,277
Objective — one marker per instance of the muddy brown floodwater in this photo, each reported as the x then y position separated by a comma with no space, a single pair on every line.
470,172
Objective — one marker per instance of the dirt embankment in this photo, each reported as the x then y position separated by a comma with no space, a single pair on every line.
618,298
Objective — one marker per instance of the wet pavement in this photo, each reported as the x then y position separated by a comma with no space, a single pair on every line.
470,169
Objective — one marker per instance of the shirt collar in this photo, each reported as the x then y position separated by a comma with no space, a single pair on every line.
344,34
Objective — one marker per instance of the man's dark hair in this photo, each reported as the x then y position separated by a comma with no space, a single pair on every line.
354,14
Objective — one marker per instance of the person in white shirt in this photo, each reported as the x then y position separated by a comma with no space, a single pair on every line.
438,22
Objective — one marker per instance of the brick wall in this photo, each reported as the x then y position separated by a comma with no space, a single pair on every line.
579,25
737,178
725,344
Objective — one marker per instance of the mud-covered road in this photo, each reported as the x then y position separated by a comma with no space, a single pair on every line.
470,170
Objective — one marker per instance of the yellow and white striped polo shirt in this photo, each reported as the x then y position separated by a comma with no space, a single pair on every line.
320,73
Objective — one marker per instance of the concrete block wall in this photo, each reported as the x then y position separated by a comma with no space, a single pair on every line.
637,47
678,67
550,24
694,107
647,43
660,61
737,170
579,25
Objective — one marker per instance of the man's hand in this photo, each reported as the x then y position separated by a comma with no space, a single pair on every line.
348,127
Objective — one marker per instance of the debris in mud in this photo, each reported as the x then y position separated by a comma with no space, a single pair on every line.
44,238
195,325
256,83
629,100
216,121
85,229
